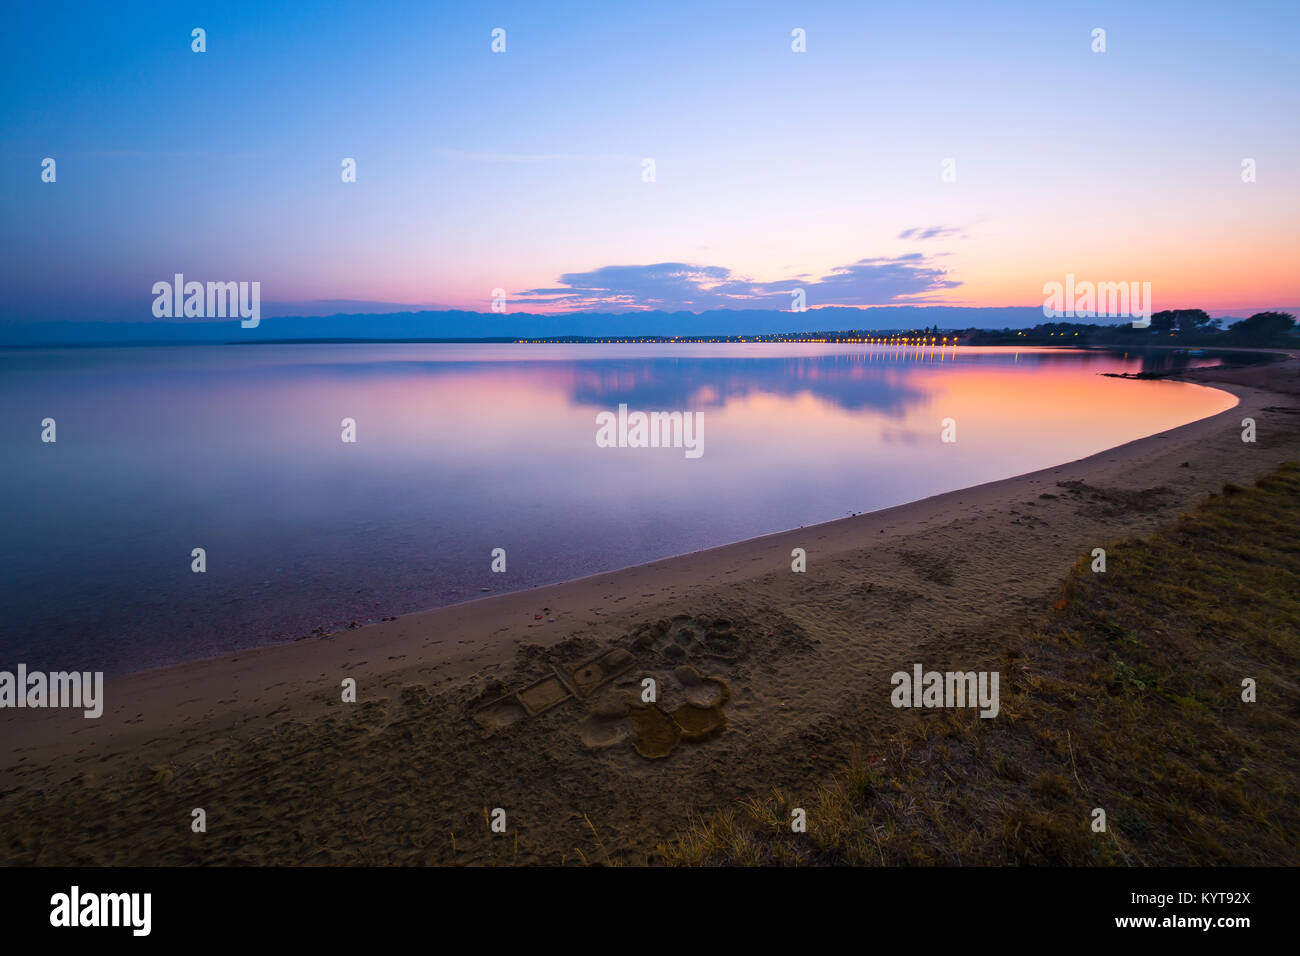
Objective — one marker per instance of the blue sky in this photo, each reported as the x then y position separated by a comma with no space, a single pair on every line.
479,171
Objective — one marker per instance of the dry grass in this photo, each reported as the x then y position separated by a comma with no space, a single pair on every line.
1128,698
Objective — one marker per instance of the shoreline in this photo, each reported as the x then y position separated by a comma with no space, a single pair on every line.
481,599
658,563
127,624
151,676
931,580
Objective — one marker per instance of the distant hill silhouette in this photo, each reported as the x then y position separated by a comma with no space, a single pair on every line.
1000,325
454,324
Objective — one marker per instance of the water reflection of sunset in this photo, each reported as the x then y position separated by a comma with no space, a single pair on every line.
460,444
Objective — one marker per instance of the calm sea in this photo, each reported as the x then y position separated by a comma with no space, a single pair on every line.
461,449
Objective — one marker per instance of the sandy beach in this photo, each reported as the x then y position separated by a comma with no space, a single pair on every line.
797,665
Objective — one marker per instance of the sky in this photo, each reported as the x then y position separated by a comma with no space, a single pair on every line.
525,170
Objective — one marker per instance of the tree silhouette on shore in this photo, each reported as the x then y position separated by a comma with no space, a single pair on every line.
1263,327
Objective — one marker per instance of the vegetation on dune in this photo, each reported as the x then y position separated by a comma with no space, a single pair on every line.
1128,698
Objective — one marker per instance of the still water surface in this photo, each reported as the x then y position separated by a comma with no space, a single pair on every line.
465,448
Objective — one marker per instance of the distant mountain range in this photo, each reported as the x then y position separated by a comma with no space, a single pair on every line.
456,324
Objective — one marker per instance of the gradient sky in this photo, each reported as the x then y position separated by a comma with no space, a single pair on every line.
774,169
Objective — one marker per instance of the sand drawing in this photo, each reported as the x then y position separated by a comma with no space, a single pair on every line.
556,688
616,718
698,723
543,695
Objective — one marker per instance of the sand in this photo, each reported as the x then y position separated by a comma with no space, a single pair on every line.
773,676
